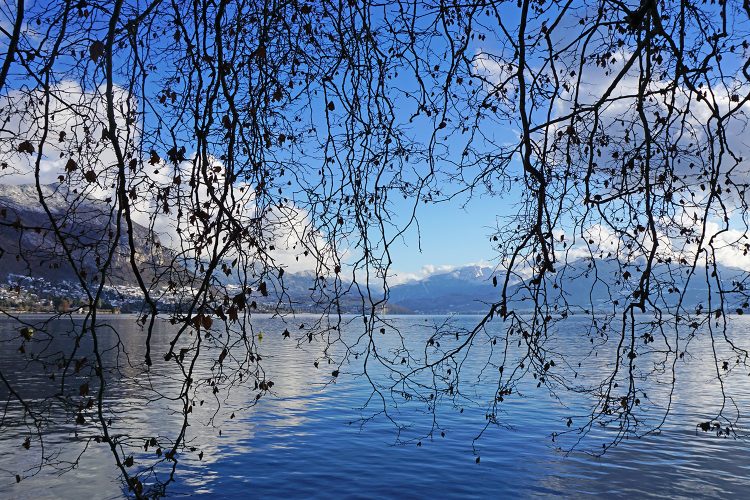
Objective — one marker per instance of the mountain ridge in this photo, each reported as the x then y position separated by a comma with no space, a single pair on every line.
29,247
85,228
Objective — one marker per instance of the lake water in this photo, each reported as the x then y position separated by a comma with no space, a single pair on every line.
306,440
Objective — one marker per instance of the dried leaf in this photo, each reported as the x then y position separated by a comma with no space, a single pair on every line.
96,50
26,147
206,321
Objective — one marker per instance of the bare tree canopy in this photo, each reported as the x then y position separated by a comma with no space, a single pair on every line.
203,152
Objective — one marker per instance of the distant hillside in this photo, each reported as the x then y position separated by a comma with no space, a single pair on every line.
30,247
464,290
584,284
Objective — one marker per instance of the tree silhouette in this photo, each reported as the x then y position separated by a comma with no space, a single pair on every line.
224,142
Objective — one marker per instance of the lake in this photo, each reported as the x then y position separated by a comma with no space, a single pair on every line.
313,438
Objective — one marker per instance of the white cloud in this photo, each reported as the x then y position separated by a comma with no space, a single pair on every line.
694,130
75,123
291,241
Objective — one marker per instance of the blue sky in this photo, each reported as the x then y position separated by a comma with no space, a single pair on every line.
450,235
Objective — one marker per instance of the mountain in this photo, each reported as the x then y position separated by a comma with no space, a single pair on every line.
595,282
464,290
30,247
584,284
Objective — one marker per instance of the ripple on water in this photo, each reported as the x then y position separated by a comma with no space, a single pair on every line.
307,443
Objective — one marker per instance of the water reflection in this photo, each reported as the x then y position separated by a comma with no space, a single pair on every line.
299,443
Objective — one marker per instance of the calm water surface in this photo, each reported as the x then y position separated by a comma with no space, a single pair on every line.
301,443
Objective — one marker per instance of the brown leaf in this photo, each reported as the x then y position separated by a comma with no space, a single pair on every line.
206,321
232,313
90,176
71,165
154,159
26,147
96,50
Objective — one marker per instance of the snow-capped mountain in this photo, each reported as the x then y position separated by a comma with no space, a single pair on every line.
463,290
583,284
29,246
85,227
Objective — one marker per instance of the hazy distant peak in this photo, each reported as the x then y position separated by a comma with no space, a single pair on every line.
57,197
473,272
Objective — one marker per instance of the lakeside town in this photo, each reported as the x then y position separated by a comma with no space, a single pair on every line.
38,295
